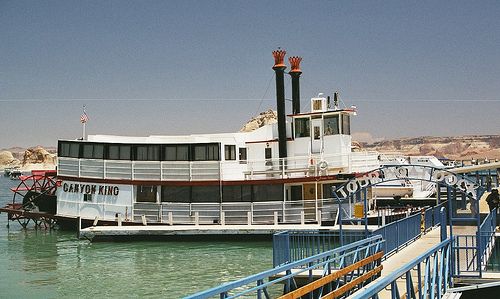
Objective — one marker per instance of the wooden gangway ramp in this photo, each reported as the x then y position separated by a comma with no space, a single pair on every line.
405,256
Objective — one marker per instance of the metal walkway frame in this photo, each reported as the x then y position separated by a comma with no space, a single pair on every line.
326,263
356,189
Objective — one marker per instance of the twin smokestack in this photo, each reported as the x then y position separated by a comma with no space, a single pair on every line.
295,72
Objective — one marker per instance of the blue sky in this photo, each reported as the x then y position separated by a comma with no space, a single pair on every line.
412,68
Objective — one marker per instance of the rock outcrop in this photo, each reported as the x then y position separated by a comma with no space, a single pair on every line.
264,118
38,155
28,159
8,160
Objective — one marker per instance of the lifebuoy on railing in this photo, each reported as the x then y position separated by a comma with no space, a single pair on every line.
323,165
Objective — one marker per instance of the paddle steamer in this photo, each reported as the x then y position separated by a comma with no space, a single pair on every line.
279,173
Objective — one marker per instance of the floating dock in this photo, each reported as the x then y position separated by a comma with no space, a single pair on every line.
96,233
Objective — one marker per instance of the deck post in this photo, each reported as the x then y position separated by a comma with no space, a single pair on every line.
144,220
249,218
119,219
443,224
196,218
170,218
275,217
222,218
79,219
302,217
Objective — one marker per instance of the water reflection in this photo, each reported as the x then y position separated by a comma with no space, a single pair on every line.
54,264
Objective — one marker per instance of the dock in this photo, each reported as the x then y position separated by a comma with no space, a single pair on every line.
96,233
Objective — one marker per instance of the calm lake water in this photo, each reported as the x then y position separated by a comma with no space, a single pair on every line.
54,264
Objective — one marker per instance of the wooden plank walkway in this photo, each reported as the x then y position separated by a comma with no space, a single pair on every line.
405,256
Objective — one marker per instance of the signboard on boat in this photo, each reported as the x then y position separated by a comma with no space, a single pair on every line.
90,189
406,173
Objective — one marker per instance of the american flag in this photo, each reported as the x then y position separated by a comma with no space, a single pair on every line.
84,118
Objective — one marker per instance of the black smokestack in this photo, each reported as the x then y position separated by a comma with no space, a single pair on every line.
295,73
279,67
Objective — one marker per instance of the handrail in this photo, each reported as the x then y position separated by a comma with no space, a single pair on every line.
321,259
399,233
381,284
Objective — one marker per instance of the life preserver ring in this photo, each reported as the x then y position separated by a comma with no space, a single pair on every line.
323,165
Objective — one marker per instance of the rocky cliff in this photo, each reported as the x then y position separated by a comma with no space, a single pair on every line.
264,118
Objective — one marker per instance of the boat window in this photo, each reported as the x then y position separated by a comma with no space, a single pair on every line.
302,128
125,152
331,125
296,193
170,153
174,152
327,189
268,154
206,152
243,154
230,152
145,194
74,150
114,152
267,193
147,153
175,193
205,194
346,125
183,152
63,150
239,193
119,152
93,151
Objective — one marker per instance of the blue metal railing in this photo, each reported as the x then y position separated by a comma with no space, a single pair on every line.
290,246
487,235
465,256
397,234
432,272
432,216
466,248
259,285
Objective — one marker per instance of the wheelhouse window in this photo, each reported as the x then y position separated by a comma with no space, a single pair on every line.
93,151
206,152
243,154
331,125
302,127
230,152
119,152
147,153
179,152
346,125
146,194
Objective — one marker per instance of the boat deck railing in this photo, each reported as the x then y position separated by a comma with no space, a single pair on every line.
278,168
